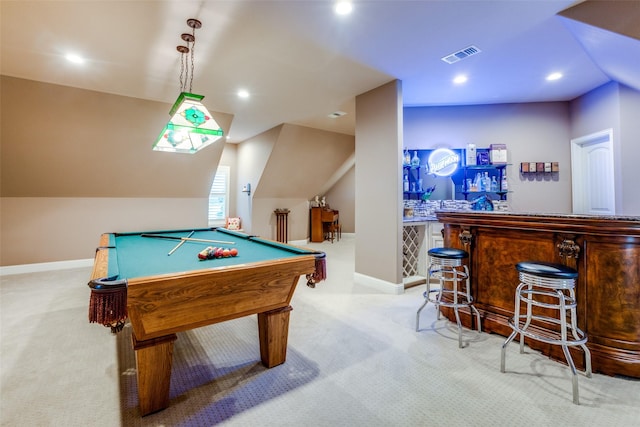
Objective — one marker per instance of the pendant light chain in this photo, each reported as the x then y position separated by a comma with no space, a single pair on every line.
186,69
182,67
193,43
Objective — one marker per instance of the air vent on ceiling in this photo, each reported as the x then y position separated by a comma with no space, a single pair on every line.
461,54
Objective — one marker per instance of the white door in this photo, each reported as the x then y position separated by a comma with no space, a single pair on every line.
592,174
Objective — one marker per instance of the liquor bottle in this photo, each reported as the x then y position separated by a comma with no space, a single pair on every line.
407,158
415,160
503,185
405,183
478,182
494,184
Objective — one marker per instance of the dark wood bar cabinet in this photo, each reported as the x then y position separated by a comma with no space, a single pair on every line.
604,250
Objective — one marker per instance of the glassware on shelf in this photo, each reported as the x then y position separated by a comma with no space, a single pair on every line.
406,160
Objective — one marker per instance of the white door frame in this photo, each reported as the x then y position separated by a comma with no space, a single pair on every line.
578,185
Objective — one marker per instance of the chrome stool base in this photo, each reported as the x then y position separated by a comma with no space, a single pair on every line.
549,287
445,267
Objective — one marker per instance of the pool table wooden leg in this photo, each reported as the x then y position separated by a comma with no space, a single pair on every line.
153,363
273,329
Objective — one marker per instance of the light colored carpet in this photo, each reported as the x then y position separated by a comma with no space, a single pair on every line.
354,359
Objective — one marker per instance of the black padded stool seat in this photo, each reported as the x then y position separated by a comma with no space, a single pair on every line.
448,253
546,293
547,269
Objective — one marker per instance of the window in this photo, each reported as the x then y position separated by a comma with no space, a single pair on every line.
219,198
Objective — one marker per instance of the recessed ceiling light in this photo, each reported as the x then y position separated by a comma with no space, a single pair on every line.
243,93
343,7
460,79
76,59
554,76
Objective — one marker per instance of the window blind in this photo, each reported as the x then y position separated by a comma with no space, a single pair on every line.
219,198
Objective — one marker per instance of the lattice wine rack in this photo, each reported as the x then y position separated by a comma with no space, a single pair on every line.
413,236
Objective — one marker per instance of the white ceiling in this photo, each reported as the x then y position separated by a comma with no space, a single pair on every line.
301,62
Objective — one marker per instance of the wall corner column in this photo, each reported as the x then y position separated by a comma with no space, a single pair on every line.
378,195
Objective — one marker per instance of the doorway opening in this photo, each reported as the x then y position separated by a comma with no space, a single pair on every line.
592,179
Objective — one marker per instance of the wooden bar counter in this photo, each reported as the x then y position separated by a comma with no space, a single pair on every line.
604,250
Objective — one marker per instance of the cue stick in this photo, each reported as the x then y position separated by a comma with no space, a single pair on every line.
188,239
180,244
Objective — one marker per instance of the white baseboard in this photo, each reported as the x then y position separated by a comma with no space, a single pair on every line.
306,241
380,285
45,266
299,242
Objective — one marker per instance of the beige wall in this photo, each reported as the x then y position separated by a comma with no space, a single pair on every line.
77,163
65,142
286,167
617,107
378,175
48,229
630,151
341,196
265,219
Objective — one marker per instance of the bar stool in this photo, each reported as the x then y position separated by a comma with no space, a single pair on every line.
549,287
445,267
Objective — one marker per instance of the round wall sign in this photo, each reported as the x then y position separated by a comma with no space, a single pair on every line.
443,162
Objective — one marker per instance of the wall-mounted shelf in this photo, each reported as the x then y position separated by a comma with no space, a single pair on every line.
502,194
487,167
539,167
493,170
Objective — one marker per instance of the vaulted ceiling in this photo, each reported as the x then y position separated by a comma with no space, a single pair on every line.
300,62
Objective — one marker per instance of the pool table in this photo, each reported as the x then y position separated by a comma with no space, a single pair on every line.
169,293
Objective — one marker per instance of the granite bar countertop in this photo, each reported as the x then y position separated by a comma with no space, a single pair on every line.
411,219
545,215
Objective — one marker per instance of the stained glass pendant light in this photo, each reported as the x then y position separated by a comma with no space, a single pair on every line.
191,127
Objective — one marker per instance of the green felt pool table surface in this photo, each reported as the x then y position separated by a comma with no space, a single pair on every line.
133,255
